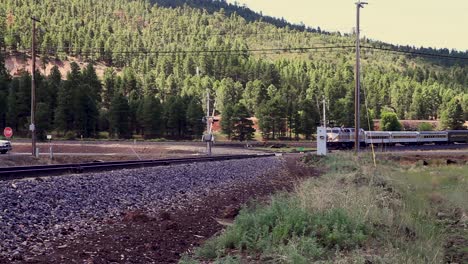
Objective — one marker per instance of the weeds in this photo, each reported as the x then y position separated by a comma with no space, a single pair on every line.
285,230
355,213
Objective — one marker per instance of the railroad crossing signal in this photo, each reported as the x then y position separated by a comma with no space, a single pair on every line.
8,132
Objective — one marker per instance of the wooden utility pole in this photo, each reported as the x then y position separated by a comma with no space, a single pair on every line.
357,93
32,127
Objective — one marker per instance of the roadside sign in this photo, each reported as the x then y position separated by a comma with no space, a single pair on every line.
8,132
49,137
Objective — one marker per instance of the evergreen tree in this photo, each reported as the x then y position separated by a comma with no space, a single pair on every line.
108,87
227,121
12,108
452,117
42,120
152,117
64,112
308,119
119,121
4,82
195,114
243,126
54,81
175,116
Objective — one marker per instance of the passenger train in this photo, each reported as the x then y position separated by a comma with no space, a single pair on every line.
344,137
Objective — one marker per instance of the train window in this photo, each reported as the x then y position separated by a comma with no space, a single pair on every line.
336,131
377,137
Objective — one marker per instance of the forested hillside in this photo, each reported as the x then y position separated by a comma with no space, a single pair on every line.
280,74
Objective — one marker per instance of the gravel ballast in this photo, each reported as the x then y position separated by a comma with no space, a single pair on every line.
34,213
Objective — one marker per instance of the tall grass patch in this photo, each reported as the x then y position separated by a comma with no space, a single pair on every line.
354,213
284,230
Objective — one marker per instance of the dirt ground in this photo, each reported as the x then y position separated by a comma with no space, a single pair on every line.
139,238
76,153
428,157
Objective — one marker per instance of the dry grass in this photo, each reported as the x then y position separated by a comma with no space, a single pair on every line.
384,198
399,207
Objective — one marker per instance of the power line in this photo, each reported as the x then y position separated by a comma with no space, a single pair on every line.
174,52
90,51
416,53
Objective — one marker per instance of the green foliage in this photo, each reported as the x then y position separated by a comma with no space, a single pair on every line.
175,116
151,117
227,122
195,115
389,122
119,120
453,117
272,118
42,120
284,226
236,123
243,126
425,127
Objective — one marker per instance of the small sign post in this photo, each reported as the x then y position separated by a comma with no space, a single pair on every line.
8,132
51,152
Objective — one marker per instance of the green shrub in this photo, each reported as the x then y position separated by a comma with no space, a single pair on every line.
210,249
284,226
425,127
228,260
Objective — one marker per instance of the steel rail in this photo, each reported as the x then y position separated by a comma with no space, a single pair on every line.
20,172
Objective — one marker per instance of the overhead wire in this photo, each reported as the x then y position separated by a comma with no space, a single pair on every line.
416,53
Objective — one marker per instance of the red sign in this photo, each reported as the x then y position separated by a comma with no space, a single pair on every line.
8,132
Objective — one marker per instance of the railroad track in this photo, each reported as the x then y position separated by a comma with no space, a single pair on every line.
11,173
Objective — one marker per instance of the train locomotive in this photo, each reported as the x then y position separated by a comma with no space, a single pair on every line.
340,137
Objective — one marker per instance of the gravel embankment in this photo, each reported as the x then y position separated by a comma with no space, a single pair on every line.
33,213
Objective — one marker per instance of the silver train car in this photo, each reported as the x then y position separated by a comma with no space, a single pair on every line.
340,137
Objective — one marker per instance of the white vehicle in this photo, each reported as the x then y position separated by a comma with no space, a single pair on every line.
5,146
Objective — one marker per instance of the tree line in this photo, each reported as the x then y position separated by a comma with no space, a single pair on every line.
81,106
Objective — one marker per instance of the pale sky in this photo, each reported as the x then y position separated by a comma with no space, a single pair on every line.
428,23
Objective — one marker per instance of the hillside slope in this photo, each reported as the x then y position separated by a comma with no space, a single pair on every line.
279,73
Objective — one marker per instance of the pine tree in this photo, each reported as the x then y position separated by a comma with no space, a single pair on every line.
43,123
119,121
12,109
227,121
108,87
151,117
54,80
243,126
195,114
175,116
64,118
453,117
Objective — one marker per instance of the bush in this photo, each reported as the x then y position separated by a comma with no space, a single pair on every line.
425,127
389,122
